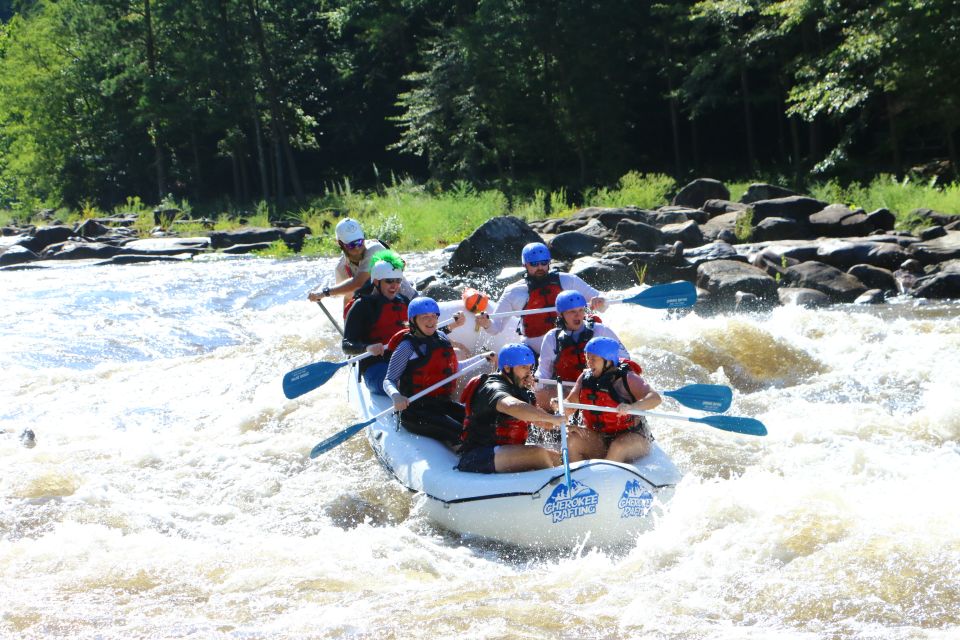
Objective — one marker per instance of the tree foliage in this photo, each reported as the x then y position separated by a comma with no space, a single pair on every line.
271,99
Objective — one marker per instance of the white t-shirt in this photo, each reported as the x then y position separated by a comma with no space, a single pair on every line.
345,270
515,298
548,349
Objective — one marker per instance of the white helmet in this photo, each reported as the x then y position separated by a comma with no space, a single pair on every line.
348,230
384,269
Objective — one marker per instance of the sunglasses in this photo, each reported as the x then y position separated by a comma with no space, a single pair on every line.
540,263
392,280
356,244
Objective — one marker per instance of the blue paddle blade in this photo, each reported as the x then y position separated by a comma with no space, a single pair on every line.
300,381
715,398
672,295
748,426
340,437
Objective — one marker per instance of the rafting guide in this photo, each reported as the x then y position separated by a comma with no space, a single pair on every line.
580,501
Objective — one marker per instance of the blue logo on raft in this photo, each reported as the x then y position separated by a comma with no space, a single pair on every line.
580,501
635,501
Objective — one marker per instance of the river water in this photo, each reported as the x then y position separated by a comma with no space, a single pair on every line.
170,493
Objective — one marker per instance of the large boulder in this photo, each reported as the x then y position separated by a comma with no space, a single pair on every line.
573,244
839,221
711,252
843,254
686,232
722,279
694,194
16,254
874,277
647,237
80,251
943,285
495,244
939,250
802,297
720,225
778,229
604,274
840,286
882,219
43,237
798,208
762,191
292,237
717,207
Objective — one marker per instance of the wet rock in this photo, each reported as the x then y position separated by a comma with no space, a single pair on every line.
671,214
871,296
292,237
882,219
762,191
574,244
723,279
91,229
647,237
604,274
839,286
441,292
803,297
943,285
938,250
723,224
497,243
935,217
80,251
239,249
28,438
695,193
778,229
844,254
874,277
838,221
714,208
687,233
16,254
43,237
136,258
798,208
709,252
167,246
931,233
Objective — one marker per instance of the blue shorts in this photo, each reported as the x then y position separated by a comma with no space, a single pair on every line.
373,377
478,460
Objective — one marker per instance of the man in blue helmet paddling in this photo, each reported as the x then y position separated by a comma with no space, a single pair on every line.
499,411
538,290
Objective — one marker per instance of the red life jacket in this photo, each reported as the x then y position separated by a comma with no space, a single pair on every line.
507,429
570,360
602,392
437,363
391,317
541,295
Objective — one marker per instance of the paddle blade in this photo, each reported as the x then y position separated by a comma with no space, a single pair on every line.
340,437
299,381
666,296
715,398
748,426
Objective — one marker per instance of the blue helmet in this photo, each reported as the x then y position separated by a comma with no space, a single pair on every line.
515,354
535,252
567,300
420,305
606,348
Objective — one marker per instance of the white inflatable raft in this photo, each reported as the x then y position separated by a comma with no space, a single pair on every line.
608,504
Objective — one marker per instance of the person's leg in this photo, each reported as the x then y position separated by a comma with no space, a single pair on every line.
431,418
373,377
628,447
585,444
520,457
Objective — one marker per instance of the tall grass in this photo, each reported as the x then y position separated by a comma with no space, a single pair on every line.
644,190
901,197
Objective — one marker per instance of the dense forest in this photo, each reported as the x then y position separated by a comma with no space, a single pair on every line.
246,100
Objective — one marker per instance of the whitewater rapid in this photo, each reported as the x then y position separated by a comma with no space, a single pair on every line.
170,493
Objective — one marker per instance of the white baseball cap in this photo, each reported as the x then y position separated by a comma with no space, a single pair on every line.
348,230
384,269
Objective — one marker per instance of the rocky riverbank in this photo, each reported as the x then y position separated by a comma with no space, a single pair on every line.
800,250
771,247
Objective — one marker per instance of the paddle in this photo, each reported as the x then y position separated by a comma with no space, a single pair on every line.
564,451
330,317
749,426
345,434
309,377
715,398
662,296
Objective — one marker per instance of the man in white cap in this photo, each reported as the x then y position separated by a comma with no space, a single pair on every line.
353,270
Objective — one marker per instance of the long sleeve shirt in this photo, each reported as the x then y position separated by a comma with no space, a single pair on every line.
515,298
402,355
548,349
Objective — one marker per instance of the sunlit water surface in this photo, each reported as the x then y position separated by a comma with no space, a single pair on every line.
170,493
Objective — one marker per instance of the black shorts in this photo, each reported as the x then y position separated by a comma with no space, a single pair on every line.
640,428
479,460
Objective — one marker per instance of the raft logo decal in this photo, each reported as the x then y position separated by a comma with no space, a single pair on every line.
580,501
635,501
